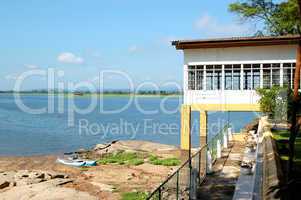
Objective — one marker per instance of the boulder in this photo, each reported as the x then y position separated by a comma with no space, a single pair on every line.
6,179
4,184
49,190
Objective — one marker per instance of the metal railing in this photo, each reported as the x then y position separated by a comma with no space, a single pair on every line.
217,140
183,183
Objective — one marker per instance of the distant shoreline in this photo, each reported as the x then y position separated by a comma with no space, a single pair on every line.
92,94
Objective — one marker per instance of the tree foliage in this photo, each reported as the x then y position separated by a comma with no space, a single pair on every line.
279,18
277,102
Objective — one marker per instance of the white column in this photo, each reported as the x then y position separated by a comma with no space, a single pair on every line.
209,162
185,82
230,137
225,145
242,77
223,77
261,75
252,77
281,74
218,149
205,69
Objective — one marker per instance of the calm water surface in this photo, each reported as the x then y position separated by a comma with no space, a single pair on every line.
23,133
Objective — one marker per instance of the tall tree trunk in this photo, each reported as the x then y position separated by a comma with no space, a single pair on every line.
295,122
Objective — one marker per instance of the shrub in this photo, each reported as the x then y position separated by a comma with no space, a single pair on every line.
134,196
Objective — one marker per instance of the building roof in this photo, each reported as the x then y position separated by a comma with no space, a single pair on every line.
236,42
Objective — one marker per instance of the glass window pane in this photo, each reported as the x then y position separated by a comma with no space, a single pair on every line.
217,80
247,77
256,79
191,80
209,77
256,76
209,80
199,80
266,76
276,74
228,79
287,77
236,79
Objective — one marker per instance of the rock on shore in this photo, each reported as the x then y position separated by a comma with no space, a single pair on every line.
33,185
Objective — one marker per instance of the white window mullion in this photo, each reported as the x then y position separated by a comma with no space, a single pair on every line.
271,76
186,80
242,77
261,75
291,74
205,78
223,77
232,81
195,78
281,74
213,78
252,77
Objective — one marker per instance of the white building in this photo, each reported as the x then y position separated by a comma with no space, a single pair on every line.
223,74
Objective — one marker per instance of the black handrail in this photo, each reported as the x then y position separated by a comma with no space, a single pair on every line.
176,173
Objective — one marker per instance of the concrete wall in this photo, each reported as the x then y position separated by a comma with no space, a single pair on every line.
261,53
221,97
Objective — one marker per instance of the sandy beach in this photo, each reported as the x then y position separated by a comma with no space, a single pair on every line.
26,176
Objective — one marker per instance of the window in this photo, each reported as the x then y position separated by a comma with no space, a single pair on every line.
228,77
276,74
256,76
287,79
209,77
247,77
266,76
191,77
199,77
288,74
217,78
236,77
232,77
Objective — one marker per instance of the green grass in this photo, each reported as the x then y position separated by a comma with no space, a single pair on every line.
122,158
125,158
155,160
136,161
282,137
134,196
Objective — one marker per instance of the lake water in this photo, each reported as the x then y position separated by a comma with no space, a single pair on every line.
146,118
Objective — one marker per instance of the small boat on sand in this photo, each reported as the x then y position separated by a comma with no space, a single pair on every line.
77,162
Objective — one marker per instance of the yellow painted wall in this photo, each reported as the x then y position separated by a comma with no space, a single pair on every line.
203,108
185,127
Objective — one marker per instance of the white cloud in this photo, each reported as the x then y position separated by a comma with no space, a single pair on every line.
210,27
134,49
70,58
31,66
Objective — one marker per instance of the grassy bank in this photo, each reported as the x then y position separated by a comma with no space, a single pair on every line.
282,140
126,158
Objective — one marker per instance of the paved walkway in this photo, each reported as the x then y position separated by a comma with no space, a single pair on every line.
221,183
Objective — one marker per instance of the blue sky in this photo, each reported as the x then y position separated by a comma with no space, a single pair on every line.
84,37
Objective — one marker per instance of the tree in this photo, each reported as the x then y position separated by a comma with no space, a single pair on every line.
296,122
279,18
